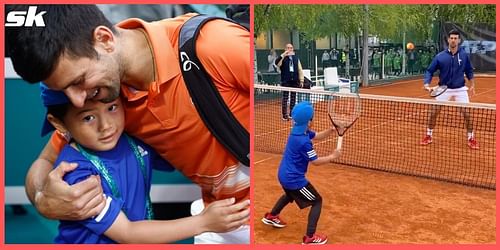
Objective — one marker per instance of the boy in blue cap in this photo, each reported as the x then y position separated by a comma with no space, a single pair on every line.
299,152
99,147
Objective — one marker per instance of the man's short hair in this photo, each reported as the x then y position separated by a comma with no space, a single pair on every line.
454,32
68,30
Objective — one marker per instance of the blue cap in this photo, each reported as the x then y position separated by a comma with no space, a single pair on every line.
50,97
302,113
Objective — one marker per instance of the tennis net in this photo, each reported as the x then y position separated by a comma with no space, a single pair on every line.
388,133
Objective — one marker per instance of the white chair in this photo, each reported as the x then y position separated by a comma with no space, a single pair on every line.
302,96
332,80
307,73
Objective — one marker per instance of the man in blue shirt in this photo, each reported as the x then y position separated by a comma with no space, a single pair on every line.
452,63
299,152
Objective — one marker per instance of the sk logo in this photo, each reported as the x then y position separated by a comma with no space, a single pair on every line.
25,18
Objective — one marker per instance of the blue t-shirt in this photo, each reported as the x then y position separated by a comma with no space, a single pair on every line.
123,167
299,152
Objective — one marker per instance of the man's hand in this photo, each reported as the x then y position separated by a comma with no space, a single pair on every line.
58,200
472,87
225,215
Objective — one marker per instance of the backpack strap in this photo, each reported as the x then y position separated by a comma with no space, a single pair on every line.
205,96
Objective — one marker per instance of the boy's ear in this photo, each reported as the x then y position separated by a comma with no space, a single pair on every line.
58,124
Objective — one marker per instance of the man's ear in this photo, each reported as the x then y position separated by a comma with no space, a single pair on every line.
104,38
58,124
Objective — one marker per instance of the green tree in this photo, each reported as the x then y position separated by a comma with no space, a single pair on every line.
386,21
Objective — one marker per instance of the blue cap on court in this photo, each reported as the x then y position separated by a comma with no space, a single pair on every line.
49,98
302,113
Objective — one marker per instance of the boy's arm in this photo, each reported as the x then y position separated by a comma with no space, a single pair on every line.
326,159
53,197
218,216
323,134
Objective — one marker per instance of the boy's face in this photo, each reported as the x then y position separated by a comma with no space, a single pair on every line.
97,125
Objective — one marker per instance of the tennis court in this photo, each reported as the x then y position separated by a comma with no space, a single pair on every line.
440,193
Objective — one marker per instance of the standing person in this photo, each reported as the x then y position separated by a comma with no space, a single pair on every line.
299,152
376,63
90,59
334,57
291,76
412,59
99,147
396,63
325,59
452,63
270,59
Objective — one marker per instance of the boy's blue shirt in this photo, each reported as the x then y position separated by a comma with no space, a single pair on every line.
124,169
298,153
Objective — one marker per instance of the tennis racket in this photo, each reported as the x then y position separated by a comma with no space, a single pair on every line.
343,111
437,91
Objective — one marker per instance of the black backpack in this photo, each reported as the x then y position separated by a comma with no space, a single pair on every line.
205,96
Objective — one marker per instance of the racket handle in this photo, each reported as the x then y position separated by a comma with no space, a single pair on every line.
339,142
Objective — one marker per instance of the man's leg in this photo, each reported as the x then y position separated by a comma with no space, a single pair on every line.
435,110
463,97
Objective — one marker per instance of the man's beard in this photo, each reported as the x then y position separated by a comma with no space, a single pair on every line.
113,93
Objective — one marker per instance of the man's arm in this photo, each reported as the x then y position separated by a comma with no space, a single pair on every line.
469,73
53,197
301,75
430,72
279,59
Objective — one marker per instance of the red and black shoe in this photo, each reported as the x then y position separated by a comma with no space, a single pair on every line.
273,220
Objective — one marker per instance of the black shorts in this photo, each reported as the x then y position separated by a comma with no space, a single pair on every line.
304,197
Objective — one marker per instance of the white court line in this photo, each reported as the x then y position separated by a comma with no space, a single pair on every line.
484,92
386,122
388,84
263,160
273,132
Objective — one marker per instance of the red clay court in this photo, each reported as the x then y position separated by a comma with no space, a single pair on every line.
387,188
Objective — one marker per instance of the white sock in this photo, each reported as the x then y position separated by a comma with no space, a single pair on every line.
429,131
470,135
